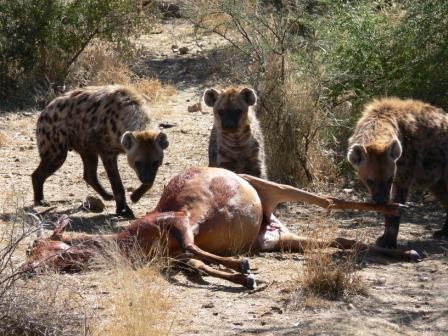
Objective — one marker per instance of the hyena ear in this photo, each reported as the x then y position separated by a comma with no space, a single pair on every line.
210,97
128,141
395,150
248,96
356,155
162,140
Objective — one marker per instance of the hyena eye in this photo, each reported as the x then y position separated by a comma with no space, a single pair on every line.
370,182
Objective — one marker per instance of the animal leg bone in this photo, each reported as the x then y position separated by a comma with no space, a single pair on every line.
271,194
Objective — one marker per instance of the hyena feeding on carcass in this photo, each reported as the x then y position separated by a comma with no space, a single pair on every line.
236,141
398,144
99,121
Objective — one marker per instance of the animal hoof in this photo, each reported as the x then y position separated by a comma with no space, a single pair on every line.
440,234
245,267
250,282
414,256
386,242
126,213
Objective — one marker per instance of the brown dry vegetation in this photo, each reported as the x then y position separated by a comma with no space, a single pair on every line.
116,297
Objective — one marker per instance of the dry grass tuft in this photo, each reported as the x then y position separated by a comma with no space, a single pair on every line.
138,297
100,64
289,106
324,275
3,139
153,89
328,277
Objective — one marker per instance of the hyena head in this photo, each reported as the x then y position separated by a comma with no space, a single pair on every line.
144,150
376,166
231,107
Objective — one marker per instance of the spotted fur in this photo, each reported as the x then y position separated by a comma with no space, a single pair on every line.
97,121
398,145
236,141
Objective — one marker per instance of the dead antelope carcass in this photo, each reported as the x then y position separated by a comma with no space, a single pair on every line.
210,213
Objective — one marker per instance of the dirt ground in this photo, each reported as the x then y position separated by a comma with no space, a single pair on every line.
402,298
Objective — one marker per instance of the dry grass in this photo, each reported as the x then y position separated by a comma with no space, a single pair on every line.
325,276
138,299
289,107
100,64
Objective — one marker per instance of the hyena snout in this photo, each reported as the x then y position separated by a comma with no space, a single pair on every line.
379,191
147,171
230,121
145,153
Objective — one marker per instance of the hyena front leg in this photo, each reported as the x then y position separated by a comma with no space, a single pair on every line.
48,165
392,223
111,166
90,162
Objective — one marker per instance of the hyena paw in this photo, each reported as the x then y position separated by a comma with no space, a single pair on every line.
107,196
41,203
125,212
386,242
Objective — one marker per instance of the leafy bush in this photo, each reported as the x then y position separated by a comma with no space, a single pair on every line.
40,39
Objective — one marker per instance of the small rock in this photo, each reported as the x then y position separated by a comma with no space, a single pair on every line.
208,305
183,50
129,189
93,204
174,46
16,160
195,107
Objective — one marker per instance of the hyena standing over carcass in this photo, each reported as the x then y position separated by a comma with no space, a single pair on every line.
236,142
99,121
398,144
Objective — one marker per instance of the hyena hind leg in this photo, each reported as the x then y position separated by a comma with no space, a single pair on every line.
48,166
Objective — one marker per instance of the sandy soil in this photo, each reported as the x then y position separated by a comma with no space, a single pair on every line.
402,298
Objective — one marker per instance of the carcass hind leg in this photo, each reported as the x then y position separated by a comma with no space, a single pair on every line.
295,243
179,225
246,280
271,194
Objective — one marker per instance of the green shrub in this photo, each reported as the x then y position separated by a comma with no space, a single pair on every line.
40,39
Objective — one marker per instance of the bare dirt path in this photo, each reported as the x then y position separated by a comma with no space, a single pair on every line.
401,298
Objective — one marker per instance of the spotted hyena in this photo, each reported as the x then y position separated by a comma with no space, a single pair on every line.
99,121
236,142
398,144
